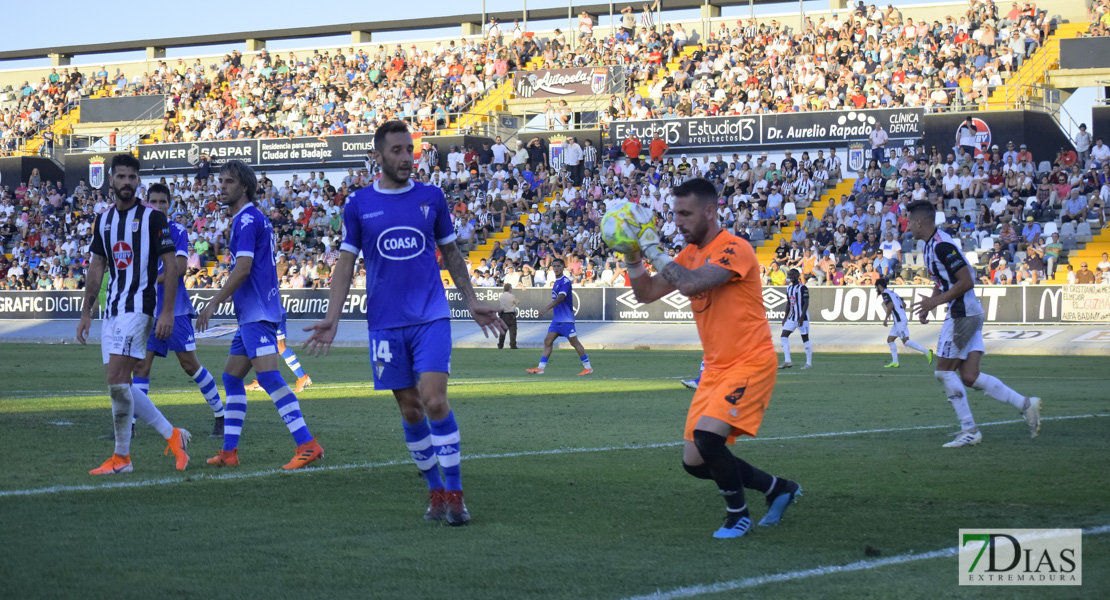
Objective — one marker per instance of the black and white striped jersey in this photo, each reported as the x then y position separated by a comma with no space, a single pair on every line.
898,312
944,260
798,295
131,242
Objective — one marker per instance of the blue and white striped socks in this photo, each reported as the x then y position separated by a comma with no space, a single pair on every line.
236,411
207,385
291,360
445,441
418,438
286,402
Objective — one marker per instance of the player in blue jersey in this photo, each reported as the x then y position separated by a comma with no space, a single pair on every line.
562,320
253,289
182,342
396,225
294,364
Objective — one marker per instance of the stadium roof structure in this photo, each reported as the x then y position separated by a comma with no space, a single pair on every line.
420,23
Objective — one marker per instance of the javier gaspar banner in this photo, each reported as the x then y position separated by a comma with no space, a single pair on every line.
779,130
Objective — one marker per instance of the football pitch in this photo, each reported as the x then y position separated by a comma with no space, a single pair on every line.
575,484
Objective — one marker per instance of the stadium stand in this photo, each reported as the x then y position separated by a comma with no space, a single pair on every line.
516,217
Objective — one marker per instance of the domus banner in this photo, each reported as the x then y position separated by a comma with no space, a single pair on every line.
781,130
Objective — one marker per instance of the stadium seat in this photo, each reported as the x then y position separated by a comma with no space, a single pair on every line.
939,220
1044,167
907,246
986,244
757,234
1069,243
1067,229
967,244
971,205
1050,228
1019,256
920,246
1083,229
972,257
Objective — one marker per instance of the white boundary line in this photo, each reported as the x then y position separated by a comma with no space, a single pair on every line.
863,565
233,476
34,394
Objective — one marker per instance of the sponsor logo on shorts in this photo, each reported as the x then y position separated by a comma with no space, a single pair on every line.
737,394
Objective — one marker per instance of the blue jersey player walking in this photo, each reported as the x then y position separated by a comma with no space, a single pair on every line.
181,342
397,224
562,320
253,289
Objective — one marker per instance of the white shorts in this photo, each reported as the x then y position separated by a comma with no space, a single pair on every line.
960,337
125,335
900,329
791,324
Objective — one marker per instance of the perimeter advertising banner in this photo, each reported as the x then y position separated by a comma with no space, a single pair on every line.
337,150
785,130
1001,304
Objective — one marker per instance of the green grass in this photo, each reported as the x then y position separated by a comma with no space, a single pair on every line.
583,523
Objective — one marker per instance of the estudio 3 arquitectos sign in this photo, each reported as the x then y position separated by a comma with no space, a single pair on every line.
788,130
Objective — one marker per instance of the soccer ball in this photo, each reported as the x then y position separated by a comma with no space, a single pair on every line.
622,226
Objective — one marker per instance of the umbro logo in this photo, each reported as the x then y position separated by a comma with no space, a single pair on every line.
677,300
772,298
629,299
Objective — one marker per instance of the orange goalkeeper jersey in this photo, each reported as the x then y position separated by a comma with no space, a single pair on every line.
731,321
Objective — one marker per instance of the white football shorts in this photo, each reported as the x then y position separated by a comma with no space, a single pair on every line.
125,335
960,336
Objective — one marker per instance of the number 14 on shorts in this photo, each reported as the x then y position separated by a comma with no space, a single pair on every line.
379,351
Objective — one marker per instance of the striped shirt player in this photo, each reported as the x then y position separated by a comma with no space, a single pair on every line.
128,240
562,320
960,347
797,317
896,310
132,241
252,287
182,342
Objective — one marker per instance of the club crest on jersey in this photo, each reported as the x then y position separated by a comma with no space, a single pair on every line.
424,210
134,226
379,367
122,255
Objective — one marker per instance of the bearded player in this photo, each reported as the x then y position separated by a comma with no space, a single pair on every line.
719,273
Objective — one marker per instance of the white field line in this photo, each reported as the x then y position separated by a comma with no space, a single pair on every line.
33,394
863,565
238,475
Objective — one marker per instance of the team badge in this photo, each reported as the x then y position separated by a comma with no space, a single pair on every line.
424,210
856,157
134,226
598,83
96,172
